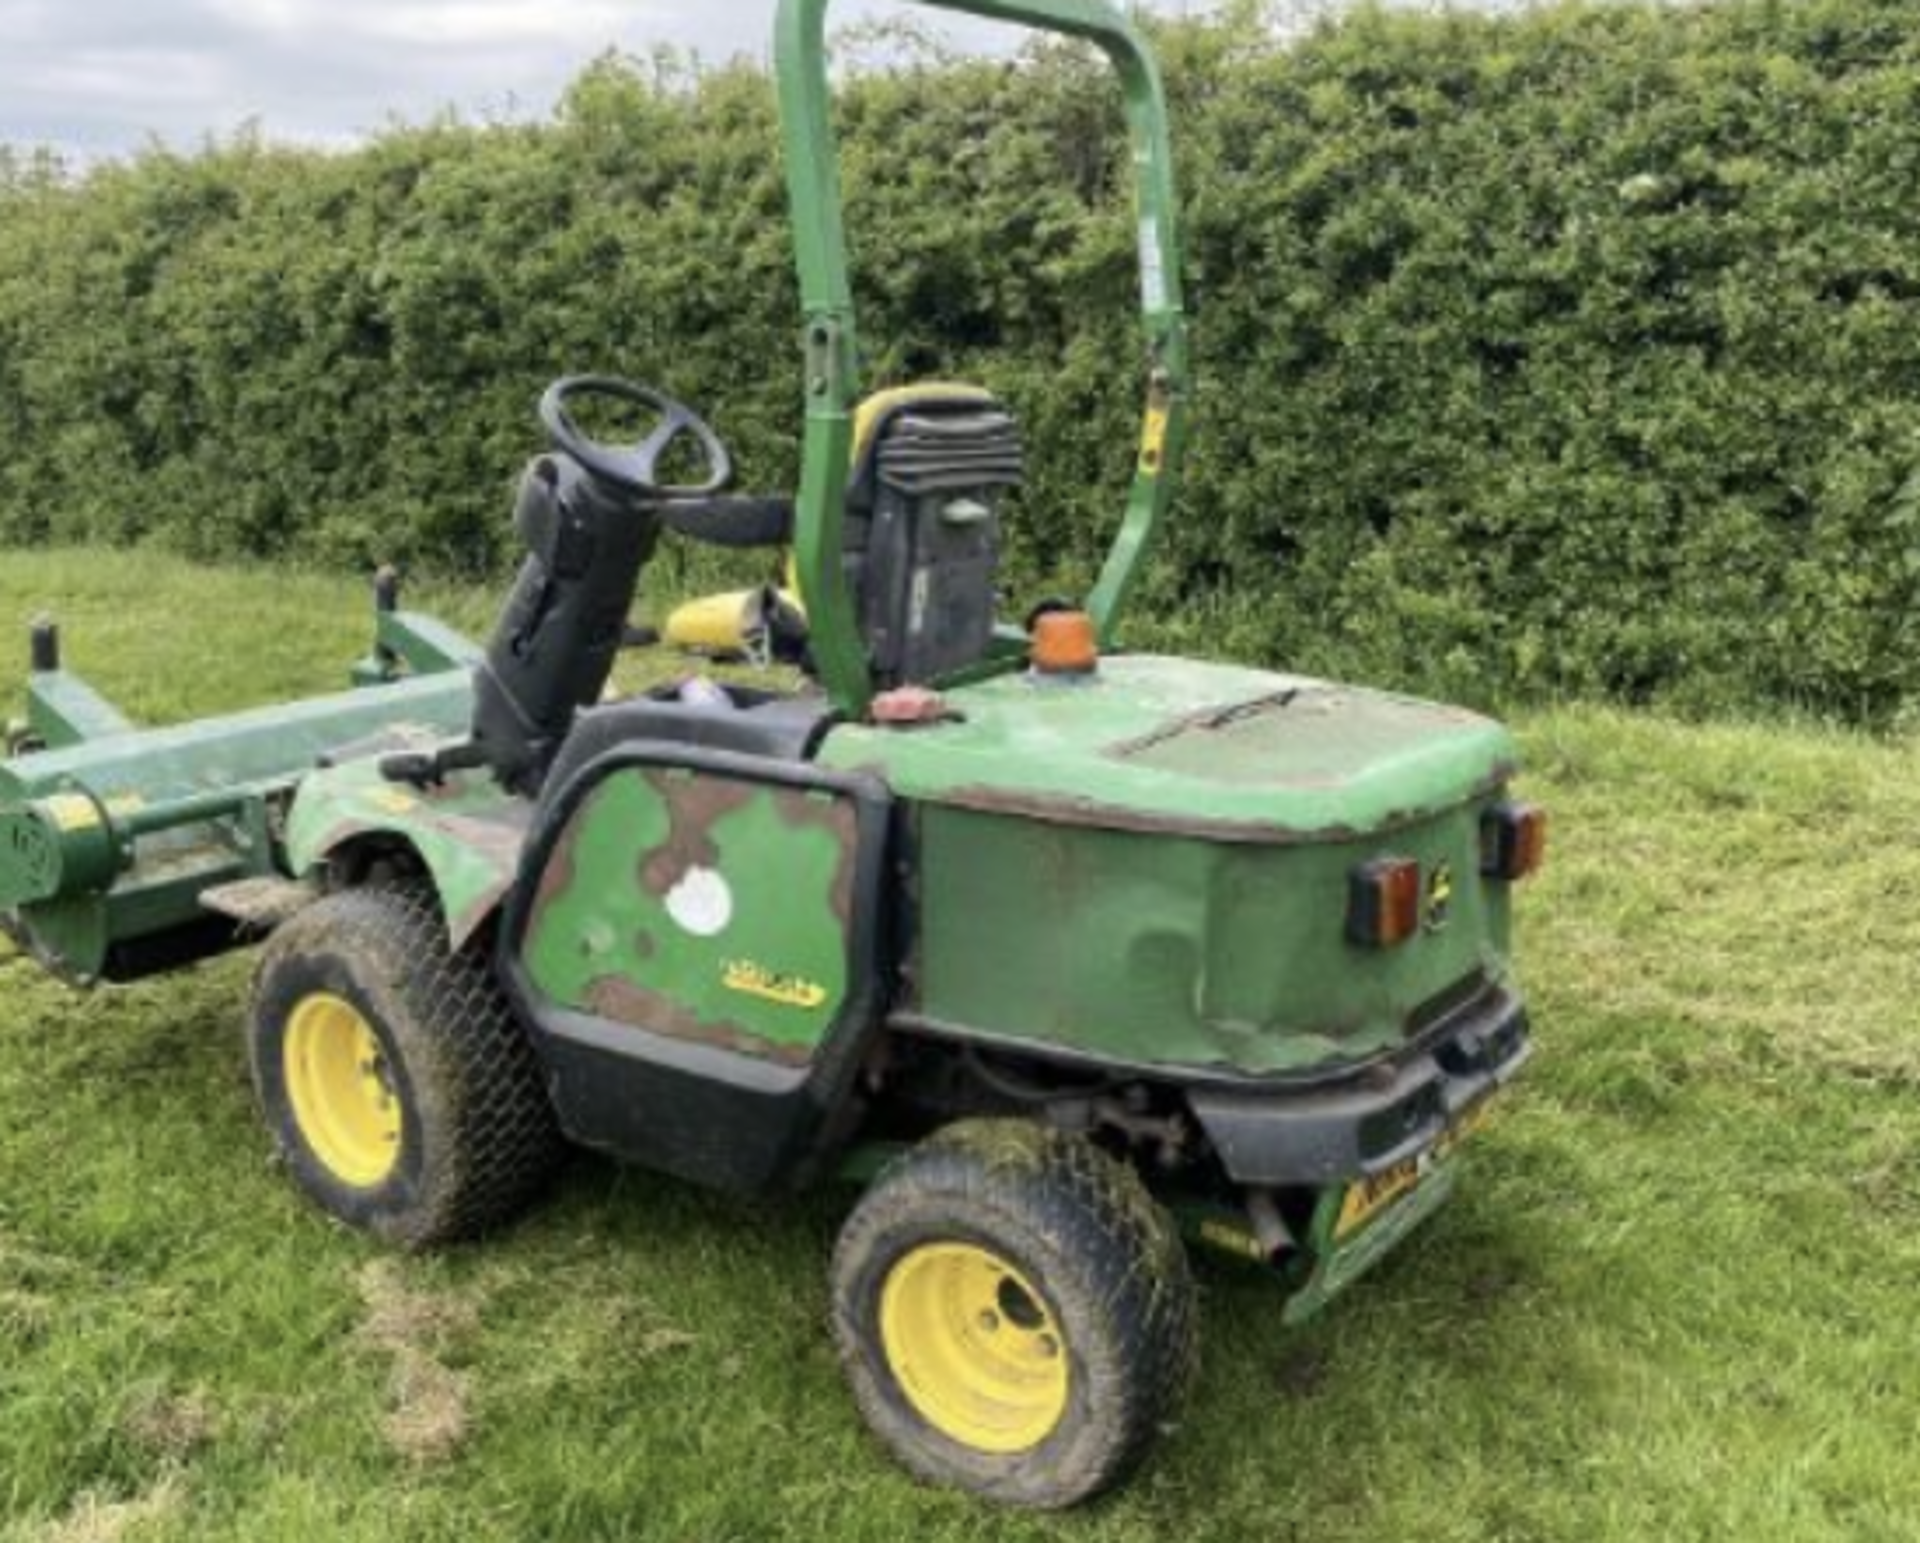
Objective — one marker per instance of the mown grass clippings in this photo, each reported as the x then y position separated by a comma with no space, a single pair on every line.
171,1425
429,1415
96,1518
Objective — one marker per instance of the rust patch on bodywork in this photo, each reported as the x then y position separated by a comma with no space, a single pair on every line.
496,842
472,917
556,877
1062,809
694,805
1210,718
1056,809
620,1000
839,818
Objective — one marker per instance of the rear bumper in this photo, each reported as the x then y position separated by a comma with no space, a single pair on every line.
1309,1138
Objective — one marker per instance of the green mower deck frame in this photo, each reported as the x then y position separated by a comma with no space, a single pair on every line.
1066,952
114,836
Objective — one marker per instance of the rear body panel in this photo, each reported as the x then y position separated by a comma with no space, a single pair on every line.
1188,955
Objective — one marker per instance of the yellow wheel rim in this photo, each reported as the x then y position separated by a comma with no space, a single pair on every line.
342,1091
974,1347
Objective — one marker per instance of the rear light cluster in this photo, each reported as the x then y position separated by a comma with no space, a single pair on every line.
1513,841
1383,902
1390,899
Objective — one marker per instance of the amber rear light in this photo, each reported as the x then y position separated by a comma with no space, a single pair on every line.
1513,841
1065,643
1383,902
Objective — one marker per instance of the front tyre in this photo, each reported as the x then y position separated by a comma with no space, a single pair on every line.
1014,1313
393,1075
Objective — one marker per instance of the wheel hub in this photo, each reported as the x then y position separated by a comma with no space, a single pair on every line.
974,1347
342,1090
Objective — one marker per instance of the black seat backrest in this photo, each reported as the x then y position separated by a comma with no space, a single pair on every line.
922,536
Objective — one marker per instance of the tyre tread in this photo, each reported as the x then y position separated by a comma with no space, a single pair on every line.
474,1061
1017,1178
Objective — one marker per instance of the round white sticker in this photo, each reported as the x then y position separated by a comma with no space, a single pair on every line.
701,902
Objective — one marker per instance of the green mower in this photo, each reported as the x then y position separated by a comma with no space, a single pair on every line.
1071,956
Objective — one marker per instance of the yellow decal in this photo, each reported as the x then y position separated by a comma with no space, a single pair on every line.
1232,1240
756,980
72,812
1439,897
1469,1124
1368,1197
393,801
1153,441
124,804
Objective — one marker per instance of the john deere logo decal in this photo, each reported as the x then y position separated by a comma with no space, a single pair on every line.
757,980
1439,897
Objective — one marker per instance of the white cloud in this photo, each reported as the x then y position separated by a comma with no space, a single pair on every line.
462,25
267,15
102,76
162,76
491,23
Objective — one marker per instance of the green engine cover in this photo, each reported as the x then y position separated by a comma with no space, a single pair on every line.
1152,866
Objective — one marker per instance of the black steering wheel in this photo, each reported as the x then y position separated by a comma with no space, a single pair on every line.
631,468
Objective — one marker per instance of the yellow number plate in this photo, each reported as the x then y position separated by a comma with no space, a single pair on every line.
1367,1198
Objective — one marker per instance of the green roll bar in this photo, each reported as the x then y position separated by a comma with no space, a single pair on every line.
832,368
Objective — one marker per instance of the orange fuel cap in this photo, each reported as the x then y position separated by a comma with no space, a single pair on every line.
1064,643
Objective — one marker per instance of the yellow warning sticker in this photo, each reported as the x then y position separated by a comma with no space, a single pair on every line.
71,812
1153,441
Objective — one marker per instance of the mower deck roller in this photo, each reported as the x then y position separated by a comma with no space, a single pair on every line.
115,837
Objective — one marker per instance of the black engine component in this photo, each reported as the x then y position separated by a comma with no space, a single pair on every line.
922,535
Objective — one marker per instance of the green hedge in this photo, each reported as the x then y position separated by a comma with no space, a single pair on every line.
1574,352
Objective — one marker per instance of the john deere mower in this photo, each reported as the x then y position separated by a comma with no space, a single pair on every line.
1070,955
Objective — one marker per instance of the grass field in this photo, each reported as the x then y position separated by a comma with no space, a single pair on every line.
1676,1300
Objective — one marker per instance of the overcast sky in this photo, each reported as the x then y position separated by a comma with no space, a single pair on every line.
97,77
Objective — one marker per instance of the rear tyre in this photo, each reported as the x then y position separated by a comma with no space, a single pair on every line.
394,1077
1014,1313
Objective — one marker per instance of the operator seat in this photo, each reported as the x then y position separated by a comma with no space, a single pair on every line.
920,545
